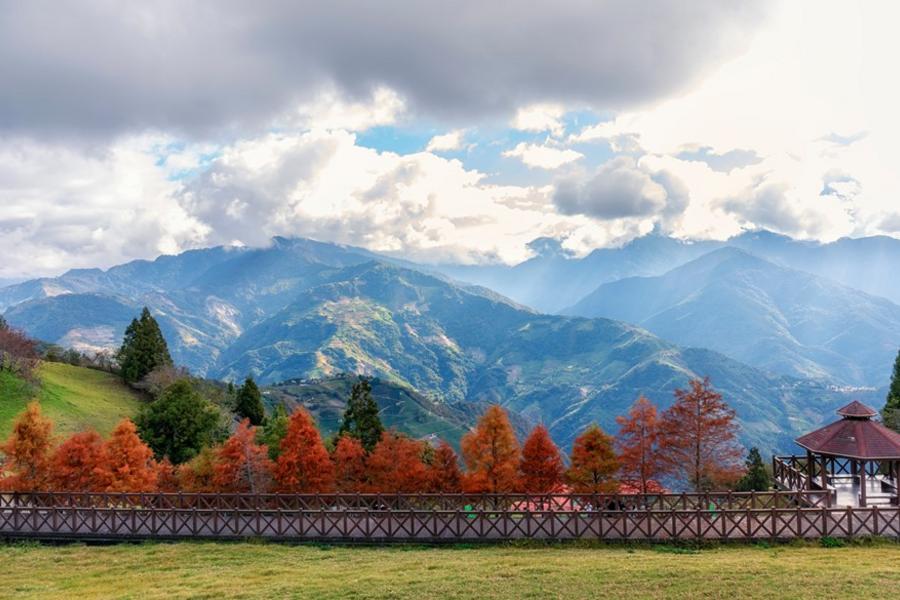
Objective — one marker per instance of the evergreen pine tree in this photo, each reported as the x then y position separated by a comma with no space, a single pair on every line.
248,404
179,423
361,416
274,430
756,479
890,414
144,348
3,323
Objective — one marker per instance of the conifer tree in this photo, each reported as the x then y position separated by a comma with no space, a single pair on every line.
197,474
698,439
28,452
143,350
274,430
444,475
131,463
81,464
361,418
491,453
179,423
890,414
756,479
542,466
242,465
638,445
349,459
593,463
395,465
248,404
303,467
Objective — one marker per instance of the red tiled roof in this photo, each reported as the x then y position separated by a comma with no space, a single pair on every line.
854,438
856,409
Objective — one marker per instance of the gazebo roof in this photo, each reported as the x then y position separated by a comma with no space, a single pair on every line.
854,436
856,409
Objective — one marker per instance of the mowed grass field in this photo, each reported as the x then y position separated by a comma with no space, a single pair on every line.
248,570
74,398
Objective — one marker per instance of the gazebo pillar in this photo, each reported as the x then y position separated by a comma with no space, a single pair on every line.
825,480
810,470
862,483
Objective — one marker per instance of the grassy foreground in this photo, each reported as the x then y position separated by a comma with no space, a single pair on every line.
74,398
246,570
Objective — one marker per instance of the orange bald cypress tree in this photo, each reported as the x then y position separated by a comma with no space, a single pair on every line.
242,465
349,459
444,475
542,466
166,477
81,464
491,453
27,452
197,474
638,445
593,463
303,467
698,439
395,465
131,462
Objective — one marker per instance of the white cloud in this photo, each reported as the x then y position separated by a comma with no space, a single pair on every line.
539,118
619,189
543,157
330,110
811,97
66,207
446,142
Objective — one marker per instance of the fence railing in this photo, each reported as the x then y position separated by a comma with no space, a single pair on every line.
437,518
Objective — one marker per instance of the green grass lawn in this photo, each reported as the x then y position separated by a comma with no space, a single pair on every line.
75,398
246,570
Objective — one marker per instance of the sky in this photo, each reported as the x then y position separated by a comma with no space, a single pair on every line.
452,132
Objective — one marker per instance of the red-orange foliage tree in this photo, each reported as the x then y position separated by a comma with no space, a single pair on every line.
491,453
27,452
395,465
699,438
131,462
303,467
242,465
81,464
18,352
444,475
349,465
166,477
197,474
593,463
638,445
542,466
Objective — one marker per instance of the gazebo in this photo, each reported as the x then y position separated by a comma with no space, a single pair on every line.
855,459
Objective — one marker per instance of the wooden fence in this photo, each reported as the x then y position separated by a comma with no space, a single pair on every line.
437,518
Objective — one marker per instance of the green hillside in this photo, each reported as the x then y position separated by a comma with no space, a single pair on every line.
75,398
400,407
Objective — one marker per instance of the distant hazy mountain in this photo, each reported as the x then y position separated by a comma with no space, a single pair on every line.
554,280
302,309
869,264
771,317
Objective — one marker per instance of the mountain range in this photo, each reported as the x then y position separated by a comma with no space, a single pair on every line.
300,309
772,317
554,280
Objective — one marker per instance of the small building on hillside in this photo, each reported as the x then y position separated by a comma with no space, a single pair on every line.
855,461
